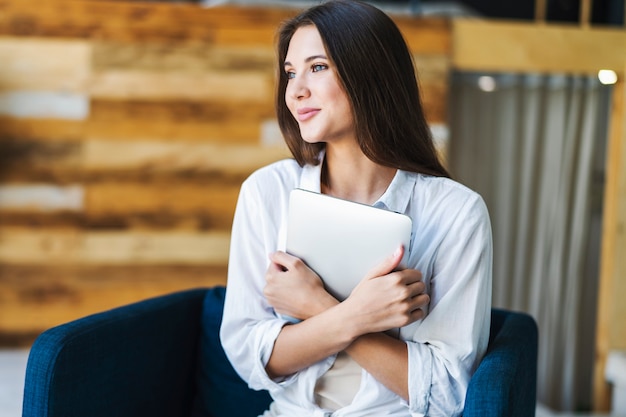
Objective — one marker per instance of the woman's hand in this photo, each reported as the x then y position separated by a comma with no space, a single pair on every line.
294,289
386,299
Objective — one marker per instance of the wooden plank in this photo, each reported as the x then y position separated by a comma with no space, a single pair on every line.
226,131
67,247
36,297
155,220
54,220
252,86
153,156
175,204
611,333
183,56
31,129
44,105
40,160
225,121
41,198
481,45
180,111
44,64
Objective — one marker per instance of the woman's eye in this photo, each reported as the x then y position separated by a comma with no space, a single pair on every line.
290,74
319,67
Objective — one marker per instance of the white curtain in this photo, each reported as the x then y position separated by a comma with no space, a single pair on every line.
533,146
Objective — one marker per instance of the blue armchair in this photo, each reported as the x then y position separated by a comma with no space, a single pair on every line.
162,357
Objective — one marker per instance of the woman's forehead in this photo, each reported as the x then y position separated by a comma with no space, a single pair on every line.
305,43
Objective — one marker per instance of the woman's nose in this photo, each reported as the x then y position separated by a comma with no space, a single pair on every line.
298,88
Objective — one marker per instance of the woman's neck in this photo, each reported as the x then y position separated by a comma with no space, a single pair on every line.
349,174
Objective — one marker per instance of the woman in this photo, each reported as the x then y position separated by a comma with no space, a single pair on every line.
349,108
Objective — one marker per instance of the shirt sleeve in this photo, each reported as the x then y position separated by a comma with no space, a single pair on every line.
447,345
249,325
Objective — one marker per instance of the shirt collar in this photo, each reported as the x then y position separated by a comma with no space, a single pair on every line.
398,194
395,198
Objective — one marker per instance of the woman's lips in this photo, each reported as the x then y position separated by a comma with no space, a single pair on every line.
306,113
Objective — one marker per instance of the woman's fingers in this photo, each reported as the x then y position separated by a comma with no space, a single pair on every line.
419,302
283,259
293,288
388,265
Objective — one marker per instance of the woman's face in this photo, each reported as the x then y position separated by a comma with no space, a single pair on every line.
314,95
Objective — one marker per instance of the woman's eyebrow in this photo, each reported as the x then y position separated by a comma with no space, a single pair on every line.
309,59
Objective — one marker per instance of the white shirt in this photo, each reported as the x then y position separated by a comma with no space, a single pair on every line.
451,247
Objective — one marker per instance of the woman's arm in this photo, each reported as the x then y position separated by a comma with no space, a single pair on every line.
383,300
385,358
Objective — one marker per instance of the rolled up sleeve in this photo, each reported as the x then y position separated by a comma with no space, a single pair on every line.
446,347
250,326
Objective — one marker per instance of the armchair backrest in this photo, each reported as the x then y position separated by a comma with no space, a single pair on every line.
134,360
220,391
505,383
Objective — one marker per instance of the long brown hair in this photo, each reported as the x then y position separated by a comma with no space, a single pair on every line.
375,69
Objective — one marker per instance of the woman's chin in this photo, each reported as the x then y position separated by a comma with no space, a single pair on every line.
312,140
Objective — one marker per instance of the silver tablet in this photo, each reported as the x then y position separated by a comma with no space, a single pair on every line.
342,240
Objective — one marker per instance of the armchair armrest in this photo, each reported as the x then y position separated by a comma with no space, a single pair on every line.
139,359
505,383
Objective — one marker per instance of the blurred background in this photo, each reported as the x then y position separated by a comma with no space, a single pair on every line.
126,128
